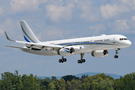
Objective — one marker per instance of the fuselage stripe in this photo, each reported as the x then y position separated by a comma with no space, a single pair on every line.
84,43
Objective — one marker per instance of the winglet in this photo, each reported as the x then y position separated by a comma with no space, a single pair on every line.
8,37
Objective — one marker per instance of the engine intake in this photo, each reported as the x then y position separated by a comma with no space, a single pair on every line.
99,53
72,50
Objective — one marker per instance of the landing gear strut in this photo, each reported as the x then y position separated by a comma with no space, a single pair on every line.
82,60
62,60
116,56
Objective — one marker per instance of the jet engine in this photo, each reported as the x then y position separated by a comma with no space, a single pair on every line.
66,51
99,53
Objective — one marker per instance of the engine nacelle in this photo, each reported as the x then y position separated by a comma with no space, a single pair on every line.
99,53
66,51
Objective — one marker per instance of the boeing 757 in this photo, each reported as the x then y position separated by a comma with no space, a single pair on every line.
97,45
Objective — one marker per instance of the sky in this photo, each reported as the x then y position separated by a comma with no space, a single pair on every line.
63,19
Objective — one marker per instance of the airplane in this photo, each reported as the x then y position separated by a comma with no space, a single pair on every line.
97,45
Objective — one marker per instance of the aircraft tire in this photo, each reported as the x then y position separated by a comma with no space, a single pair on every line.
116,56
79,61
64,59
83,60
60,61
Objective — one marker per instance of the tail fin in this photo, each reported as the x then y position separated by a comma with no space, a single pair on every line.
29,36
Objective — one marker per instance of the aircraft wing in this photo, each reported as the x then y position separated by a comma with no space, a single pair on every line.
33,45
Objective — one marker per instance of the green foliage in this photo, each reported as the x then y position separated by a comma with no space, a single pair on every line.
17,82
60,84
51,86
10,81
126,83
84,76
54,78
97,82
70,77
68,86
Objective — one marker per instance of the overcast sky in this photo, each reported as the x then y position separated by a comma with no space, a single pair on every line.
62,19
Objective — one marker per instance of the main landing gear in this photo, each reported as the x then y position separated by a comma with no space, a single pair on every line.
79,61
116,56
62,60
82,60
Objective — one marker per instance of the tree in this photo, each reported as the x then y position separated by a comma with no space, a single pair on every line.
106,84
127,82
70,77
60,84
6,83
54,78
51,86
84,76
63,84
19,84
68,85
75,84
85,86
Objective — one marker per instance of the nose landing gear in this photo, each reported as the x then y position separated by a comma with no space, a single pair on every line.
116,56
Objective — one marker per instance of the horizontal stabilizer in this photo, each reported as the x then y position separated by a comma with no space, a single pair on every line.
32,44
16,47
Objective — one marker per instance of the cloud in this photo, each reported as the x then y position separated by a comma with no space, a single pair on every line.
75,1
132,23
88,11
54,33
109,11
133,17
1,11
57,12
97,29
7,25
51,33
25,5
130,3
121,26
1,31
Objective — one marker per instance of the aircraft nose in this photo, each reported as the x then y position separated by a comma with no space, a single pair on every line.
128,43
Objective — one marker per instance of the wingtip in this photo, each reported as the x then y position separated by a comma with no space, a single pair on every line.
8,37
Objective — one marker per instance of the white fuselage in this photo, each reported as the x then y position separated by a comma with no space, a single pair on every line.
84,45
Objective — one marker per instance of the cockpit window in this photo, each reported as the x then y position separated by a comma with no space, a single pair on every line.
123,39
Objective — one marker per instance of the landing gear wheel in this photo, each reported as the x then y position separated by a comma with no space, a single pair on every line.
116,56
79,61
62,60
83,60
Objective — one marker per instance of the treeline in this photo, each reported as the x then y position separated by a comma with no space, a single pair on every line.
13,81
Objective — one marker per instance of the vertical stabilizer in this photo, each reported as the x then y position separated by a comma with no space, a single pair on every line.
29,36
